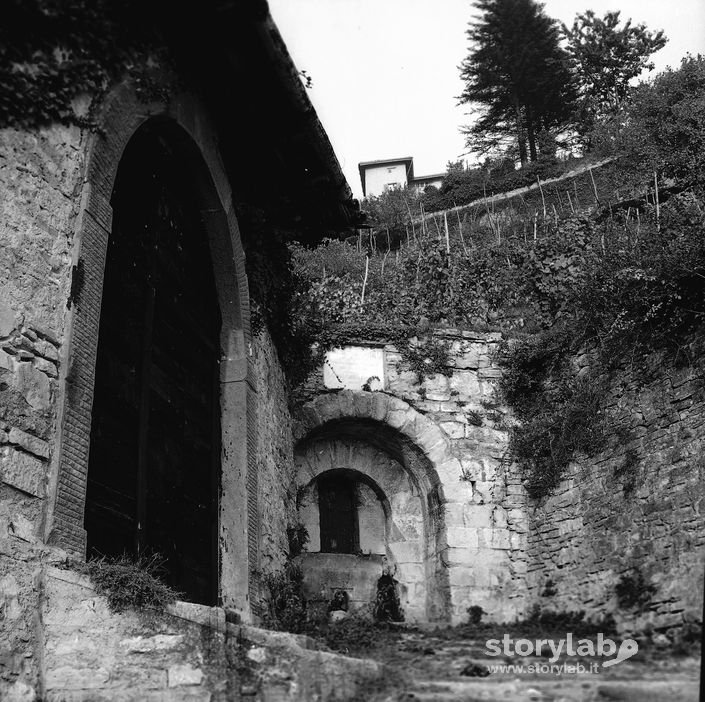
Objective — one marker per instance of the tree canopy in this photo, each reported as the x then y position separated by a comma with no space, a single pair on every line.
606,57
518,74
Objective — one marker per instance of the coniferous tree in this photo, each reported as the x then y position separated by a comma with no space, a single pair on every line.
518,75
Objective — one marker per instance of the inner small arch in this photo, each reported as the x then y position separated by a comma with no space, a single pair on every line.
407,537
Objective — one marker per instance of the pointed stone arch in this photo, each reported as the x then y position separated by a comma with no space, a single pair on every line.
185,123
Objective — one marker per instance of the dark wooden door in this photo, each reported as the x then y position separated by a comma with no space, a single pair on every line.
155,436
337,507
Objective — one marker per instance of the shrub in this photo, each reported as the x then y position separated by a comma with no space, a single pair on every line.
285,604
387,606
358,633
298,537
475,613
633,591
543,621
131,584
559,413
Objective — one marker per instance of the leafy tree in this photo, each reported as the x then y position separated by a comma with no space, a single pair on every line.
518,75
606,57
665,124
390,213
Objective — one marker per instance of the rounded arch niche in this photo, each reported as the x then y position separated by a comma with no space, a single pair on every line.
394,448
201,274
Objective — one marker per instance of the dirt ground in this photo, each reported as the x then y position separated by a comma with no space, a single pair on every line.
453,664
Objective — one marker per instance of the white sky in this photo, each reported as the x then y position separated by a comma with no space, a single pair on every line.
385,72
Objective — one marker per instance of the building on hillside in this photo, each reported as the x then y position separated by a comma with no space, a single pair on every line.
435,180
378,176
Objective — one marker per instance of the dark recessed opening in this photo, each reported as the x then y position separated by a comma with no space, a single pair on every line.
337,505
155,435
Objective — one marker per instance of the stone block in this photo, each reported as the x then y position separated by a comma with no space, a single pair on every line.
466,384
22,528
499,518
22,471
489,373
472,356
70,678
462,537
46,349
46,367
184,675
258,654
462,577
500,539
34,386
397,418
29,443
455,430
406,551
18,691
459,556
378,407
477,516
7,319
517,541
7,362
148,644
411,573
9,598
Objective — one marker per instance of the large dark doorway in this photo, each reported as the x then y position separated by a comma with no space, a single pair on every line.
155,436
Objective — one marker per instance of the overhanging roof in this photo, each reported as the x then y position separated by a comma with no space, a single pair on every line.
275,149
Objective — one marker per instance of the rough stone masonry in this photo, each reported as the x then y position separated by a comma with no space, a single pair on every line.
629,517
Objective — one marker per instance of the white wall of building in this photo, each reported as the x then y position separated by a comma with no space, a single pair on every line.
378,178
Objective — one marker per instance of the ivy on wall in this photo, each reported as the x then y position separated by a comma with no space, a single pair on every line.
53,52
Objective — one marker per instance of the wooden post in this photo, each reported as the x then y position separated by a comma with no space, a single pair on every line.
570,201
364,282
460,230
594,187
656,200
438,229
543,199
445,223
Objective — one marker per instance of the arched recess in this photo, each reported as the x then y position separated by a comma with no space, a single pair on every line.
394,428
184,127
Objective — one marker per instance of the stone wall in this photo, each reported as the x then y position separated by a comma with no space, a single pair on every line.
188,653
633,511
456,421
631,514
276,488
56,184
40,177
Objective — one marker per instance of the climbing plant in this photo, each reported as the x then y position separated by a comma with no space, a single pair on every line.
53,52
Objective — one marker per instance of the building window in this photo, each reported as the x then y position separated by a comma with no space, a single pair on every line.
337,504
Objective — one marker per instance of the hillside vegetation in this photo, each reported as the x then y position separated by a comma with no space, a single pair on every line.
615,270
